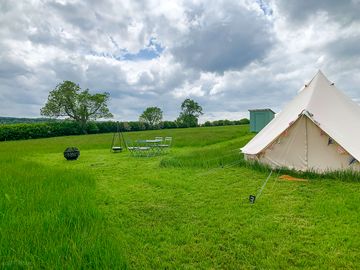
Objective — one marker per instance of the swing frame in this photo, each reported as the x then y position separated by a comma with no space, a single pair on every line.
119,136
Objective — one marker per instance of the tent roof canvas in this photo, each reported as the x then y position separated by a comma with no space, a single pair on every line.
331,110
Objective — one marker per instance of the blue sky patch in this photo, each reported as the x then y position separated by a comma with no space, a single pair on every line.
265,7
151,51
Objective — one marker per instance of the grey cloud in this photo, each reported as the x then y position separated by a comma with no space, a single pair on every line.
78,14
10,67
65,69
227,42
344,11
256,91
19,98
344,48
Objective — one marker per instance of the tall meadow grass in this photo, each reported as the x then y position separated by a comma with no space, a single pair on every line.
49,219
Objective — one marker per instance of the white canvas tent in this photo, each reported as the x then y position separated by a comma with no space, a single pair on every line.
319,130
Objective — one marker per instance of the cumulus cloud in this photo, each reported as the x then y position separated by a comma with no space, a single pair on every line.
230,56
223,35
343,12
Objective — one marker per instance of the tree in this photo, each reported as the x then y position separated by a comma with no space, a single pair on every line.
67,99
152,116
190,112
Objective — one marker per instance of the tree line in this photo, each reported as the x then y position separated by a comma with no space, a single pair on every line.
9,132
189,115
82,109
18,120
68,100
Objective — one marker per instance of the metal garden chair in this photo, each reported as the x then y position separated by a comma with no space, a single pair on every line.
143,149
167,144
131,147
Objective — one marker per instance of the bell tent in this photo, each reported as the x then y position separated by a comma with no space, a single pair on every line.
319,130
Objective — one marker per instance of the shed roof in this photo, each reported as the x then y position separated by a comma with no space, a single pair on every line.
261,110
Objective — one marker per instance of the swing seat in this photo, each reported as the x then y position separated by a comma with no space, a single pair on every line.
117,148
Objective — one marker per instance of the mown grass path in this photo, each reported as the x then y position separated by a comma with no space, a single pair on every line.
181,210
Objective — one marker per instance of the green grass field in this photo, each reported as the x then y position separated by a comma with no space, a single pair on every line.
187,209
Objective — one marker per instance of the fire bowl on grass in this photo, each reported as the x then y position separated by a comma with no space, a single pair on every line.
71,153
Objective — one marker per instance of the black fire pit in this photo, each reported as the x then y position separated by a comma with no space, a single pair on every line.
71,153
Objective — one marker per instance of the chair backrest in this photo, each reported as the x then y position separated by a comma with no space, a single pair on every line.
140,143
159,138
168,140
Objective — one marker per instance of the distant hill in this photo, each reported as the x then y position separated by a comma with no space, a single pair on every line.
15,120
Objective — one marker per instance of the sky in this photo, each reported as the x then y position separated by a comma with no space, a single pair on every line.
229,56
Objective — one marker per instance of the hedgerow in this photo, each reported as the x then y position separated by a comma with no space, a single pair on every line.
64,128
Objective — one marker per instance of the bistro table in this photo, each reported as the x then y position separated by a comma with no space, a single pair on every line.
150,142
149,145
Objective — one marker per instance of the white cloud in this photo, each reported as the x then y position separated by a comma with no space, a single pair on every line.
187,90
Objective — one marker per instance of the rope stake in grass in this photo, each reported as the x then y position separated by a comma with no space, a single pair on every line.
252,197
263,186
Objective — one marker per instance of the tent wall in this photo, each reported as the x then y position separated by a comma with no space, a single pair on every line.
289,149
304,146
324,157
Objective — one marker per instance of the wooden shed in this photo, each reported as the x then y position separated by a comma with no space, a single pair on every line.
259,118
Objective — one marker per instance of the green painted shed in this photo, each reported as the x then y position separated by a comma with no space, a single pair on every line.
259,118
